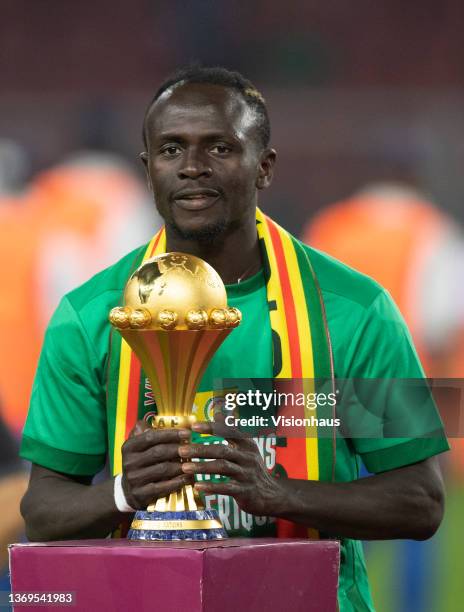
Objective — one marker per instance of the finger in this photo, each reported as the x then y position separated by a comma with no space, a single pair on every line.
139,428
151,436
158,453
174,484
142,496
221,467
221,430
231,487
154,473
219,417
234,436
203,427
214,451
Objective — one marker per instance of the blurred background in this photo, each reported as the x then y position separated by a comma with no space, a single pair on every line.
367,109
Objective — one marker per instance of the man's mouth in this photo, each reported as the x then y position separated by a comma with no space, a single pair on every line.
196,199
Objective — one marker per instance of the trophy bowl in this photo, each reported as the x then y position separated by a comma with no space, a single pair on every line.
175,316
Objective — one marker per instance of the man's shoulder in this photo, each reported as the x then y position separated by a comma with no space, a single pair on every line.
340,280
107,282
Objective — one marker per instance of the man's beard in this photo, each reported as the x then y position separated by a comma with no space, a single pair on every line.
204,235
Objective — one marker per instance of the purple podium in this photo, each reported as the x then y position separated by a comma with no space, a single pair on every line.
236,574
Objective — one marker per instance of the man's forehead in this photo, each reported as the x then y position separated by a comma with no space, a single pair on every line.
203,103
199,93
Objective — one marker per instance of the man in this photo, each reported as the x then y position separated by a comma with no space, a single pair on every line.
207,156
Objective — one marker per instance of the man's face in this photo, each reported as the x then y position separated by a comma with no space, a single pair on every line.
205,162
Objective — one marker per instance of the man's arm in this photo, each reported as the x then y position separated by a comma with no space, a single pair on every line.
60,506
402,503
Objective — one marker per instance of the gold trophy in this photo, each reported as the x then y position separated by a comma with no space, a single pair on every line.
175,317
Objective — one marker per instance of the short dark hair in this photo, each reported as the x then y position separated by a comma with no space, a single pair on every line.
217,75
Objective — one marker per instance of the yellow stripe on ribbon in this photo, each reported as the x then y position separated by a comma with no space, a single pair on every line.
307,357
121,406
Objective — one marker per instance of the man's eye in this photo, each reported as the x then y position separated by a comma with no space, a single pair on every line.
170,150
220,149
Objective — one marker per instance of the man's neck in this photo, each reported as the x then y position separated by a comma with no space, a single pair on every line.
234,255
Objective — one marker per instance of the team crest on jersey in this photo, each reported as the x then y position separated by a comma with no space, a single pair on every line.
209,403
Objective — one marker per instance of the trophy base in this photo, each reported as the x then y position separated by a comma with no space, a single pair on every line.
180,525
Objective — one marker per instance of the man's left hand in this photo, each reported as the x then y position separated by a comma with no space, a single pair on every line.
250,483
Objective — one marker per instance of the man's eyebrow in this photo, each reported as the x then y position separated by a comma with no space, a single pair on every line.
206,136
172,136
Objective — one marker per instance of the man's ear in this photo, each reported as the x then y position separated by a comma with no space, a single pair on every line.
266,168
144,159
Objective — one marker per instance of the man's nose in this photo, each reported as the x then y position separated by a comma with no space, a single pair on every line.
194,165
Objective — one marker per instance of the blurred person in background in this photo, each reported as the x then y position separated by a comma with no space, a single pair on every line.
97,209
70,221
396,235
17,245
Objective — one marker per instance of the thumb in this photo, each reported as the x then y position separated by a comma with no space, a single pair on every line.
139,428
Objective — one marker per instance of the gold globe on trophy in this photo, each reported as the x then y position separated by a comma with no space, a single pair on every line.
175,316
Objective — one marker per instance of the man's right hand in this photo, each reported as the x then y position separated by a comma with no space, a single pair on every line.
61,506
151,464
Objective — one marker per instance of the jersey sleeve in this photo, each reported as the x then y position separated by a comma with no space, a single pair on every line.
396,422
65,428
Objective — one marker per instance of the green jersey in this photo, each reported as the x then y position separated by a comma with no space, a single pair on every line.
67,424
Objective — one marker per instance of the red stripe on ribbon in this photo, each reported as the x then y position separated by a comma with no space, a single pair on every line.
289,303
157,239
289,456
